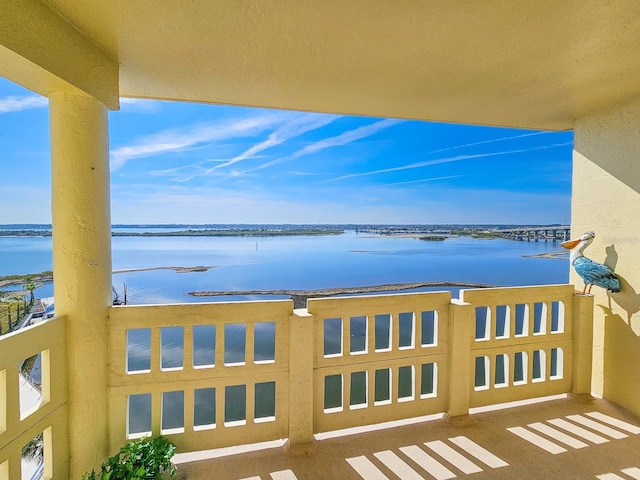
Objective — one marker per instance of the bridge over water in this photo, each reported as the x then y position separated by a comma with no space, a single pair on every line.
553,233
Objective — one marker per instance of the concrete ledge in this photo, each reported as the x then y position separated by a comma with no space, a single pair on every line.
460,420
301,449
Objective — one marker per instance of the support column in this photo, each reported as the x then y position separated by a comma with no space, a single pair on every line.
460,318
82,266
301,353
582,332
606,199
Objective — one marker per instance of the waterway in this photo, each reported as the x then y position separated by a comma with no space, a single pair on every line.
274,263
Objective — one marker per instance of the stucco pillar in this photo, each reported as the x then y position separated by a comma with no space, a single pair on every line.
461,320
606,199
582,345
301,382
82,266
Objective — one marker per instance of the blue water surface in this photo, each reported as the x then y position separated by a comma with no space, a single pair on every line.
312,262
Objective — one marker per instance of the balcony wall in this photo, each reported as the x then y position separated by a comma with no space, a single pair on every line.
22,419
341,363
222,374
606,199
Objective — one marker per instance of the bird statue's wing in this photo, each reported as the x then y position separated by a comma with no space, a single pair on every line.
597,274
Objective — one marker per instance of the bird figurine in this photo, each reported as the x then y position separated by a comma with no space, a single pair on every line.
593,273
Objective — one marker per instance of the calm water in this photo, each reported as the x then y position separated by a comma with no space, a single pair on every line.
351,259
244,263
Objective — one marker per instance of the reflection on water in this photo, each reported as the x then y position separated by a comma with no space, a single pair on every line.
296,263
204,345
244,263
235,338
171,347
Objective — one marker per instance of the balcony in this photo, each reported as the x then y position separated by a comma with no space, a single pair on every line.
212,377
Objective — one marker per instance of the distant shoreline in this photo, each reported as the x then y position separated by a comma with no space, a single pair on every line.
300,297
46,277
196,233
552,255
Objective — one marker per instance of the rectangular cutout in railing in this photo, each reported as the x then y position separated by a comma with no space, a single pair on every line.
539,366
358,335
332,337
264,409
429,326
204,409
172,413
503,321
204,346
383,333
171,348
501,373
557,364
539,318
358,393
139,415
406,383
33,383
382,394
483,323
520,368
36,458
557,317
407,330
4,470
522,320
333,386
235,405
138,350
482,373
235,344
429,380
264,343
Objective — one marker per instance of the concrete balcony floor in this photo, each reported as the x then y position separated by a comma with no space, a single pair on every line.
607,449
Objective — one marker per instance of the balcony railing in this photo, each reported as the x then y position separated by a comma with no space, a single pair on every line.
222,374
24,414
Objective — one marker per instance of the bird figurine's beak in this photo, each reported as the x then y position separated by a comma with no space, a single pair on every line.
569,244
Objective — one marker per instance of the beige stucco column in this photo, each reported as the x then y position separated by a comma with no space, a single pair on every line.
82,266
606,199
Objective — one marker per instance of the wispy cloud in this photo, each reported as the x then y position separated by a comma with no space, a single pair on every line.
493,140
422,180
17,104
339,140
446,160
180,140
300,174
289,130
137,105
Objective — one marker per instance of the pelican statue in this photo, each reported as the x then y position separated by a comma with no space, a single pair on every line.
593,273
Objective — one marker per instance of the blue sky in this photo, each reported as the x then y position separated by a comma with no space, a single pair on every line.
190,163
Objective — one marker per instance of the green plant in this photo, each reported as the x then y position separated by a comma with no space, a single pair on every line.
144,459
30,286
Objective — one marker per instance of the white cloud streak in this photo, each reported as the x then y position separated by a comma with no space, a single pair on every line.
289,130
137,105
422,180
18,104
493,140
180,140
446,160
339,140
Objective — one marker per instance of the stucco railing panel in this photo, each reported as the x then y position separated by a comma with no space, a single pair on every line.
379,358
521,343
199,388
23,417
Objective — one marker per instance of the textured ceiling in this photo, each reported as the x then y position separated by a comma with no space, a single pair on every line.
533,64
